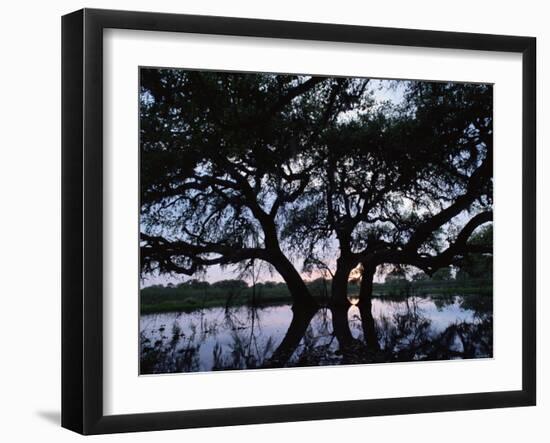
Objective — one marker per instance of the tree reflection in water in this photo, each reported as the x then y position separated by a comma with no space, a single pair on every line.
438,328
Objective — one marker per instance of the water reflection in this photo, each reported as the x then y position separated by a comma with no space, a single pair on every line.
415,328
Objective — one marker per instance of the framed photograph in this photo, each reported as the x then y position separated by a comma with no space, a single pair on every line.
269,221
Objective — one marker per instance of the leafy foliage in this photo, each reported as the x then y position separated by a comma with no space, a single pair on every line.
288,169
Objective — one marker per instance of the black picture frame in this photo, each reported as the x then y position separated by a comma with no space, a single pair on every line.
82,215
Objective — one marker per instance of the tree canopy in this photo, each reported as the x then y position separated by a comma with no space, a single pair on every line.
310,173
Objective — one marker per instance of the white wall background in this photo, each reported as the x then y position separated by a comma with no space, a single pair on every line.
30,218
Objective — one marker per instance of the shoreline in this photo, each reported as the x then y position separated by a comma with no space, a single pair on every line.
192,303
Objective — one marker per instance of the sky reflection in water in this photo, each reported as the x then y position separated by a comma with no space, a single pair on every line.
246,338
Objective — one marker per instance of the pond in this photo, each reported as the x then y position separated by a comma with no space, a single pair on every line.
391,330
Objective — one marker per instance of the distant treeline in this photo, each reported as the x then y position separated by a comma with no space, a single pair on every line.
402,287
197,294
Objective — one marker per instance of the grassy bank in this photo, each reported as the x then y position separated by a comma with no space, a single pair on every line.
186,298
434,287
179,299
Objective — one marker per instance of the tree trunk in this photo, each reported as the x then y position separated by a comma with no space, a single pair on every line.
301,297
367,277
339,296
298,290
365,307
